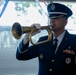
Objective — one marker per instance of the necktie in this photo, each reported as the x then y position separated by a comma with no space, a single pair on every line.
55,45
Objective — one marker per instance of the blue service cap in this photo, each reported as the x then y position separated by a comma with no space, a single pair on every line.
56,9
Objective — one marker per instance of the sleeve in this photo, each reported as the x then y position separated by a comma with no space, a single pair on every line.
26,52
22,48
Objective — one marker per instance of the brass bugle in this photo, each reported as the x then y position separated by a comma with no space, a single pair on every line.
17,32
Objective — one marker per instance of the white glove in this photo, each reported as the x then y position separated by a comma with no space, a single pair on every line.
37,26
26,36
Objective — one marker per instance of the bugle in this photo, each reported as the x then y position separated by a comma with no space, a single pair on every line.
17,32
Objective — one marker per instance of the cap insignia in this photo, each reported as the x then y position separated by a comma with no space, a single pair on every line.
52,7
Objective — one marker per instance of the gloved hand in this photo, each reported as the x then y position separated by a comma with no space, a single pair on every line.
37,26
26,36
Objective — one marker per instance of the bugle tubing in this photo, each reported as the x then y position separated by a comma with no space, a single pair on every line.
17,32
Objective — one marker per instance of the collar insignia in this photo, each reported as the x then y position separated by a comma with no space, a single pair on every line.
41,56
69,47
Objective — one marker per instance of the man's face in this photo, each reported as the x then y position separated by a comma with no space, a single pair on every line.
58,23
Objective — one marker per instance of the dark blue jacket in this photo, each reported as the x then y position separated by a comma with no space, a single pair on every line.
62,63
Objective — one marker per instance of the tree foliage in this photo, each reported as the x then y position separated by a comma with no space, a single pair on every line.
23,7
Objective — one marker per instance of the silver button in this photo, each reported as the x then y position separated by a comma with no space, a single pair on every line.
53,60
50,70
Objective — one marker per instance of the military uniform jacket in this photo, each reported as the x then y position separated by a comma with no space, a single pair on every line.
62,63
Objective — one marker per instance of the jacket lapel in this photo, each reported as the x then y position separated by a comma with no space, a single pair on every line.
49,47
64,43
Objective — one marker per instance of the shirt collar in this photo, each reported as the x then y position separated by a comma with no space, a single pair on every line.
60,37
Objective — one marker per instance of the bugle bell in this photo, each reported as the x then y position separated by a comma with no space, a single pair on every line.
17,32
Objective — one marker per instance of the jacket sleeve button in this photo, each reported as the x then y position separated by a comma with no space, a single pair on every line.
53,60
50,70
